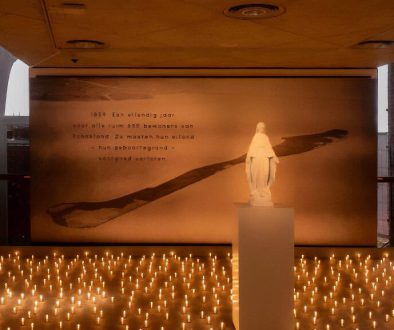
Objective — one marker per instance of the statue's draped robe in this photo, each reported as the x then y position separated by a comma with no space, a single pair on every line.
260,169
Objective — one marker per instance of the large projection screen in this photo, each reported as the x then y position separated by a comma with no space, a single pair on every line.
161,160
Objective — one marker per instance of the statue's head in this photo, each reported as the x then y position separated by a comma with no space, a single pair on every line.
260,127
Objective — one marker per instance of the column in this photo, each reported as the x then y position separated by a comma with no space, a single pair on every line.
263,273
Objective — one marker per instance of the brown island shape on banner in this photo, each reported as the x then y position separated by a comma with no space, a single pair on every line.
93,214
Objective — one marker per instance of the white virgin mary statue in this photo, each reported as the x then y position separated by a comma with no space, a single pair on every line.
261,162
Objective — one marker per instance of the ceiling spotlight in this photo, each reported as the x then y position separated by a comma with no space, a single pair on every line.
254,11
85,44
375,44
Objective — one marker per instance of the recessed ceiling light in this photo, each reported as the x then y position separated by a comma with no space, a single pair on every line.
375,44
85,44
254,11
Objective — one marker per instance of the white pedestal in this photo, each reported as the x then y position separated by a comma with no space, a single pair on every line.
263,260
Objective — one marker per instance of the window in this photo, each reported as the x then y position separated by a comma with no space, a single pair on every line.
17,101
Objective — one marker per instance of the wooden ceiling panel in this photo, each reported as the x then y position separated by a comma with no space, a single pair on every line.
342,23
120,23
196,33
24,32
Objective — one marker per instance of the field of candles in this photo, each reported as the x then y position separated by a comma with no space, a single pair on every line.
115,291
167,290
354,291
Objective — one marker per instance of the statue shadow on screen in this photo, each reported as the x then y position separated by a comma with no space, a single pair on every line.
92,214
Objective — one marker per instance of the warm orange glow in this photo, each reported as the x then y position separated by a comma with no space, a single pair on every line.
151,292
171,292
350,293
